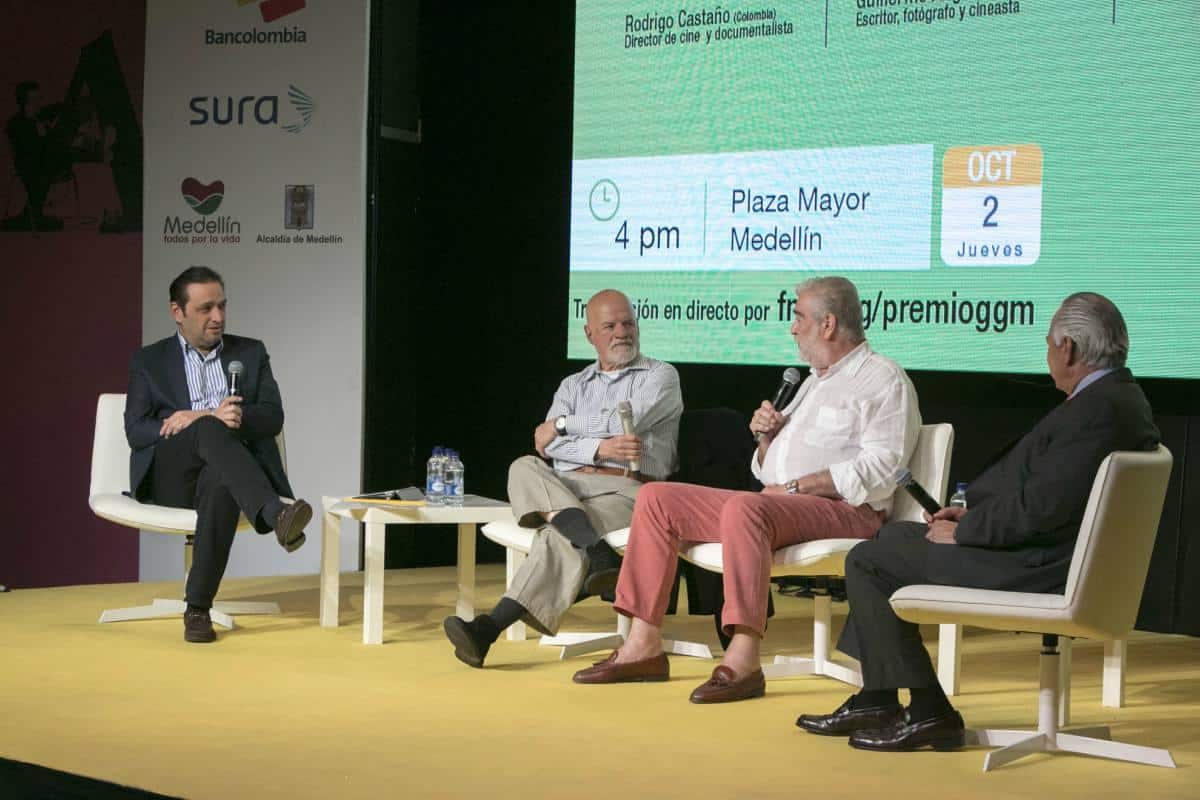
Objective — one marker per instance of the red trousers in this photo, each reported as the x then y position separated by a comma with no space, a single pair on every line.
749,526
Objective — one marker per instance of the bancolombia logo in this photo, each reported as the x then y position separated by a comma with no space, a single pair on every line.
252,110
204,200
270,10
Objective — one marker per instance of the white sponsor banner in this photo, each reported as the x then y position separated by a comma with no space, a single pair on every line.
255,165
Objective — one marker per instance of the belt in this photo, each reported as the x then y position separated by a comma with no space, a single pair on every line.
617,471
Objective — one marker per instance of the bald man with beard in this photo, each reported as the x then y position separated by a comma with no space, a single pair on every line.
579,485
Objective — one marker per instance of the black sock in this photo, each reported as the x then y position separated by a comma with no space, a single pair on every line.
490,625
574,524
928,702
197,609
602,557
873,698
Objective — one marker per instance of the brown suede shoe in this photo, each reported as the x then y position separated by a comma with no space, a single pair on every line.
197,627
289,525
655,668
725,687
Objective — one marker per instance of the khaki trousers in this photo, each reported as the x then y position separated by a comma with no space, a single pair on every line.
552,574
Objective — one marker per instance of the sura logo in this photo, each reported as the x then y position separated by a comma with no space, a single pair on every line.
251,110
204,200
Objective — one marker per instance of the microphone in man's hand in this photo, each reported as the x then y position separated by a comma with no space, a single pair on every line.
905,481
625,412
785,392
235,372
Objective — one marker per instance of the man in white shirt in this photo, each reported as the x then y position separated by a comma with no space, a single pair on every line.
826,461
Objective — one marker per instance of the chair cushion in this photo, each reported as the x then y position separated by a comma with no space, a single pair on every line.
512,536
820,557
987,608
509,534
126,511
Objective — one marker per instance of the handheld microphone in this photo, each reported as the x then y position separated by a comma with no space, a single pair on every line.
783,395
625,412
235,372
905,481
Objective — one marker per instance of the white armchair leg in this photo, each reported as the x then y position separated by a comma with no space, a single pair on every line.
1113,691
1036,743
949,665
577,644
1064,681
236,607
819,663
1153,756
163,608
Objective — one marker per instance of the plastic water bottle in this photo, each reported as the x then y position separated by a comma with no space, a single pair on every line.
435,486
959,498
455,490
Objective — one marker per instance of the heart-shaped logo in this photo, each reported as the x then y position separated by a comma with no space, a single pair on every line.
203,199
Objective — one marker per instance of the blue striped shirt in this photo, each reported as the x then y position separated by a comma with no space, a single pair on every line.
205,376
589,401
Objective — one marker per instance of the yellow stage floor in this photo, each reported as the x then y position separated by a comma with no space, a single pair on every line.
281,707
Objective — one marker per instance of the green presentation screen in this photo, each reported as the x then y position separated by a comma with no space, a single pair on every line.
967,164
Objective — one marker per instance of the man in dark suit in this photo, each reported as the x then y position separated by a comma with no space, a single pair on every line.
1017,532
196,444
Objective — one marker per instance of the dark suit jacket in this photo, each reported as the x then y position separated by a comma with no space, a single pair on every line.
1025,510
158,388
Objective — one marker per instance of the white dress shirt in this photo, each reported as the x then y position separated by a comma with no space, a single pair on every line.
859,420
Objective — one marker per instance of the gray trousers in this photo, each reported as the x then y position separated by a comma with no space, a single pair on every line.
552,574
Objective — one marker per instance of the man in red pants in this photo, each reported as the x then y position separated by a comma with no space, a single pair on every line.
826,462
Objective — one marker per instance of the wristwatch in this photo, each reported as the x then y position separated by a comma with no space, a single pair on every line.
560,425
793,487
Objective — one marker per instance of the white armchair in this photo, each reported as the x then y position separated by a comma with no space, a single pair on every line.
1104,587
930,466
108,499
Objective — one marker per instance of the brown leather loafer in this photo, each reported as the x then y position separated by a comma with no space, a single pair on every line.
655,668
725,687
197,627
846,720
943,732
289,525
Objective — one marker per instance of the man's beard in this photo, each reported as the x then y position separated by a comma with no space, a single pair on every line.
624,356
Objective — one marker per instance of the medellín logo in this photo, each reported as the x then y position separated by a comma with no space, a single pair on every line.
207,228
203,199
253,110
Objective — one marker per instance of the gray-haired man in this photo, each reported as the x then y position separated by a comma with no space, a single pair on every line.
588,489
1017,532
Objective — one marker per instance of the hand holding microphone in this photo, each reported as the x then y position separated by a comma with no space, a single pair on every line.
767,419
230,410
235,373
625,412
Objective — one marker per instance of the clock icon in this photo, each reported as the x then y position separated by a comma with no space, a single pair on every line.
604,200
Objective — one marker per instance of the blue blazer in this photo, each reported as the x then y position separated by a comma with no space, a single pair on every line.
158,388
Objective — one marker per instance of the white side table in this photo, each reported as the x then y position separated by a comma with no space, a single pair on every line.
474,511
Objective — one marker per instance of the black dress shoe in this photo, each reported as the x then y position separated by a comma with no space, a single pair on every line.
289,525
943,732
469,647
604,567
846,720
197,626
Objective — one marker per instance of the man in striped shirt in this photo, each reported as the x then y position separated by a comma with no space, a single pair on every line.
580,485
196,444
